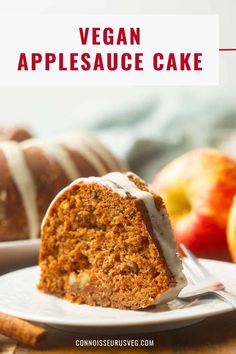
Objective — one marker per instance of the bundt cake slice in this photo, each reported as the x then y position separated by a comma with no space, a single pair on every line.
107,241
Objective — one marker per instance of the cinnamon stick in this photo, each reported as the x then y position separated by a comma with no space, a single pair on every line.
20,330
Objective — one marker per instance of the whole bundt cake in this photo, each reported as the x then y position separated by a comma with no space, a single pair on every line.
107,241
34,171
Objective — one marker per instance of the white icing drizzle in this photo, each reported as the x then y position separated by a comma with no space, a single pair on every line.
58,153
77,145
23,179
80,143
92,140
104,182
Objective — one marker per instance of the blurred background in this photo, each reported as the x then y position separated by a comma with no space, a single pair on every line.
146,126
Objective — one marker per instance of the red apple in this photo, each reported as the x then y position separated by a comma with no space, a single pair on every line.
231,230
197,189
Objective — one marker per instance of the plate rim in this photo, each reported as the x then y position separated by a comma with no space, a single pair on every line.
142,321
19,243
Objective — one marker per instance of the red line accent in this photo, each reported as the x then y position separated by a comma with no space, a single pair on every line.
227,49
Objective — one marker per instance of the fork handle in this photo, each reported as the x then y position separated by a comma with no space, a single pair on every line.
225,295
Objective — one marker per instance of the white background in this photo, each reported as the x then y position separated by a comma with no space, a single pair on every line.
53,109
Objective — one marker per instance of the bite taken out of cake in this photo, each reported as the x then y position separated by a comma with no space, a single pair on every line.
107,241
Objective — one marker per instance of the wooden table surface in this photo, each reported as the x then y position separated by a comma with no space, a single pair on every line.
216,335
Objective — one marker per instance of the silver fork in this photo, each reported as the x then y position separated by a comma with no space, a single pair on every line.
203,282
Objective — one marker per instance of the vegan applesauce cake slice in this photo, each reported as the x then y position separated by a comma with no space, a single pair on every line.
107,241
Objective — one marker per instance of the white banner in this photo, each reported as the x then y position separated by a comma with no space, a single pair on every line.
109,50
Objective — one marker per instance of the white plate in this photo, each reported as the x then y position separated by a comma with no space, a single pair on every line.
19,297
15,254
